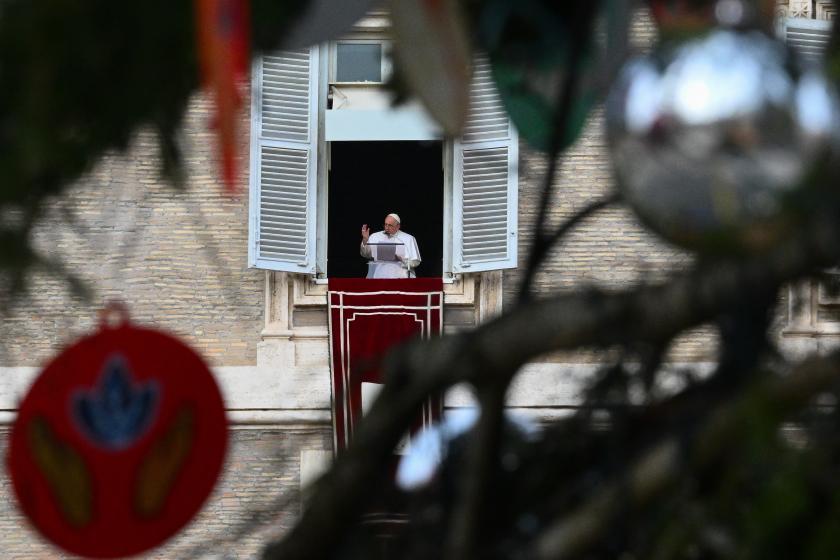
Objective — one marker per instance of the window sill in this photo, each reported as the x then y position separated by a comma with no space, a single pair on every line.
447,279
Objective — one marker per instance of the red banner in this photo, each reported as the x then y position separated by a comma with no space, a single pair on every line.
367,318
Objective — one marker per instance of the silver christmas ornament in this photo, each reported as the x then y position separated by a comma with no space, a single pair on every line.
712,137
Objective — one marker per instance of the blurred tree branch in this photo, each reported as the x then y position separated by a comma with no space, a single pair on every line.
494,352
658,468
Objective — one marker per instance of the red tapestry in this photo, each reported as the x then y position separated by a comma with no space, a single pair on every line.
367,318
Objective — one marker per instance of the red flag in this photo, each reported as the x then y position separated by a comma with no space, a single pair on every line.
224,54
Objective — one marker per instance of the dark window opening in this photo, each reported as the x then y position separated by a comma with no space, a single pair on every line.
367,181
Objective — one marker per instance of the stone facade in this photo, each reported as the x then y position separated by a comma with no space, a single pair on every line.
179,259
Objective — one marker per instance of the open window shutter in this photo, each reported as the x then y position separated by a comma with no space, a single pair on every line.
284,161
808,37
485,182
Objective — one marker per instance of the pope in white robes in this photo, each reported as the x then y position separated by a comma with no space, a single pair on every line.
399,263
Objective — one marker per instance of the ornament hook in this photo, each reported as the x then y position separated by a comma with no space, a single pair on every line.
114,315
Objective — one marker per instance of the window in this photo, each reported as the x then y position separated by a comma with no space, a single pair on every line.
358,62
808,37
289,226
814,304
407,178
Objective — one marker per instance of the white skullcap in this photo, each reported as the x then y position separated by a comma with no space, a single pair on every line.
397,218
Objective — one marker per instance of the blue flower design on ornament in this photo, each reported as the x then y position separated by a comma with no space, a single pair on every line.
117,411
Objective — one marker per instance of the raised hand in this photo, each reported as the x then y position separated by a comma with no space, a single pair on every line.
365,233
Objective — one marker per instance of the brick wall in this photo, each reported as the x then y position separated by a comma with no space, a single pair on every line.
611,249
178,257
259,490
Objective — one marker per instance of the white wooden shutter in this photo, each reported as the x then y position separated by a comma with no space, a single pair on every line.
284,161
485,182
808,37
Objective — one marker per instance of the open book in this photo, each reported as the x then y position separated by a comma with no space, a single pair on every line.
384,252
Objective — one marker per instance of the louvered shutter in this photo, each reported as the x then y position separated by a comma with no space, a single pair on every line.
808,37
485,182
284,161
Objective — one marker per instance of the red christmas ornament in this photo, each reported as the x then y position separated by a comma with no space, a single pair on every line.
118,442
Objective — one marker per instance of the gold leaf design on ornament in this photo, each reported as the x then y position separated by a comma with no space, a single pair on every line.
160,467
65,471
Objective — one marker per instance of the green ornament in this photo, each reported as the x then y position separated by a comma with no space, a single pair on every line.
533,47
533,107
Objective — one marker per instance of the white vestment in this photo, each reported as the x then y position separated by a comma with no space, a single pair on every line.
407,255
